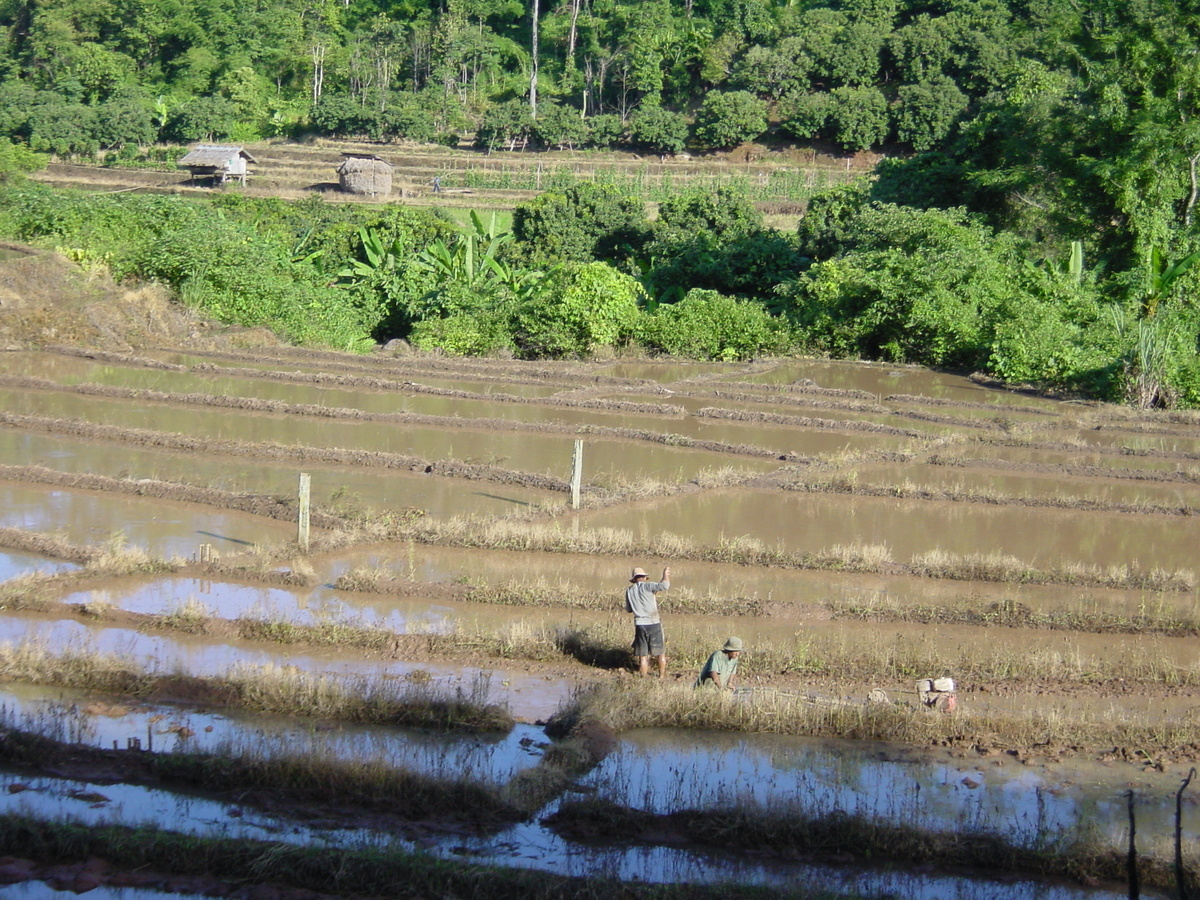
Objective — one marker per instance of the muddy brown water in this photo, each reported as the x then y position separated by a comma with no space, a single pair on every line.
546,454
73,371
331,486
163,528
799,603
812,522
527,845
1119,464
14,563
529,695
1043,486
787,593
951,648
654,770
882,381
94,720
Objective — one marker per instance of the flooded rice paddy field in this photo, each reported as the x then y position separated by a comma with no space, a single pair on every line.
859,526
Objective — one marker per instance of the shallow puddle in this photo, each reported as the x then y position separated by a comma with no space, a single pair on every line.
800,522
669,372
665,771
528,695
331,487
1037,486
789,593
38,890
92,720
229,600
527,452
1114,437
163,528
14,563
883,381
1117,463
528,845
846,419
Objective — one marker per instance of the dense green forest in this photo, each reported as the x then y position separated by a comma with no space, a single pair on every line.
1034,217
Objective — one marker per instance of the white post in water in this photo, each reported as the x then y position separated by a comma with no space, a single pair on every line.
576,473
302,536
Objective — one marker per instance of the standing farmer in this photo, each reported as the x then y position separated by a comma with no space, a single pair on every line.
648,637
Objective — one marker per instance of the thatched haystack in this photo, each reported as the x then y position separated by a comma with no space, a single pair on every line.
363,173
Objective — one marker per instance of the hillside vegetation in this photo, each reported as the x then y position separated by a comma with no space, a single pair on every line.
1034,217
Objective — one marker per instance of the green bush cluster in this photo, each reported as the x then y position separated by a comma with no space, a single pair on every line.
708,325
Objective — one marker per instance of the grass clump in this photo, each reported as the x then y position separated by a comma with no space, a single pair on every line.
274,689
788,834
638,703
190,616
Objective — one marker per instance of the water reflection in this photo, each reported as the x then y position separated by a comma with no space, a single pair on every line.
801,522
229,600
162,528
80,718
527,845
14,563
529,696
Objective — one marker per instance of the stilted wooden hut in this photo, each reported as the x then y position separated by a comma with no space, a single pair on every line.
365,173
218,162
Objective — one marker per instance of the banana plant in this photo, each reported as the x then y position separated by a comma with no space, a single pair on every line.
1161,275
468,258
377,256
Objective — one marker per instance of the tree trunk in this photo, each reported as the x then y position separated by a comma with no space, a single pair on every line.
533,69
318,82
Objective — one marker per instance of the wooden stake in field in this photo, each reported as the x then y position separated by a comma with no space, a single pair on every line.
305,495
576,474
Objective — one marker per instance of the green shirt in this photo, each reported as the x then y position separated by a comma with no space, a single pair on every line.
720,664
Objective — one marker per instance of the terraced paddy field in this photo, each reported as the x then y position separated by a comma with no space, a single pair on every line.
432,686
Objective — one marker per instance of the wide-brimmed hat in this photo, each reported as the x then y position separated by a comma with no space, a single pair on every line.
638,572
734,643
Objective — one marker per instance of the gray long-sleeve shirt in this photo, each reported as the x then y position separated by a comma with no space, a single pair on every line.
640,600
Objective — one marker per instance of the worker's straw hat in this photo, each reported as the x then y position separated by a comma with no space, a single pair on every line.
638,572
734,643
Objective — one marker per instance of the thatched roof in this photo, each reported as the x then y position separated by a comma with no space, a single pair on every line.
363,162
364,173
215,155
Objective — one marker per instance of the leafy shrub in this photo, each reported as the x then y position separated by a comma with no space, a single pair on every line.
858,117
927,112
505,126
724,212
658,130
201,119
464,335
584,222
62,127
605,131
17,160
406,119
577,310
729,118
807,116
559,126
339,115
925,286
709,325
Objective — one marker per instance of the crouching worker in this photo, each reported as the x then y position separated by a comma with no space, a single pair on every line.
721,669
